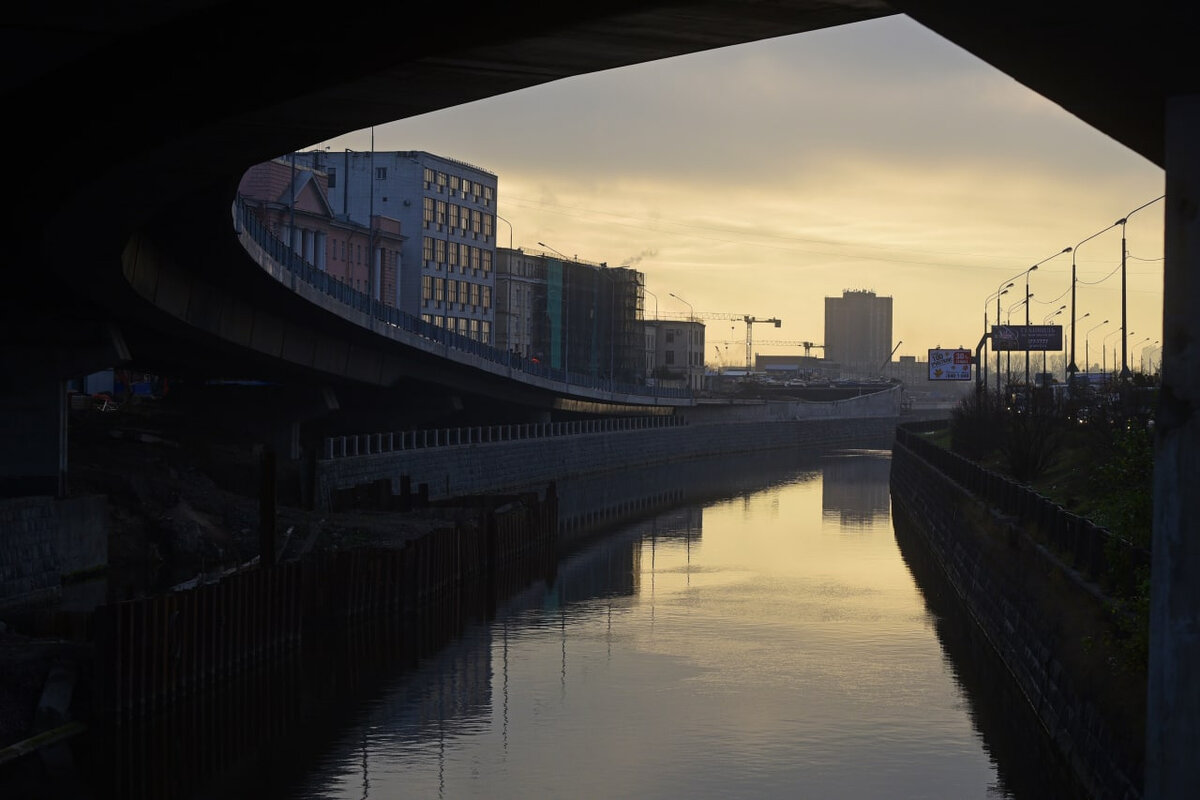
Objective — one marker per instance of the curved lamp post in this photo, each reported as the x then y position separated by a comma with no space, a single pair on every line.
1001,291
1104,352
1046,321
1071,368
998,288
652,294
691,311
1121,222
1087,337
1027,296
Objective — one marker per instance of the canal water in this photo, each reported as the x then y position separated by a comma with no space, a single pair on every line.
776,642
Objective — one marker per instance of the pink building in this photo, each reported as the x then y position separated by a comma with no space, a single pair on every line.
293,203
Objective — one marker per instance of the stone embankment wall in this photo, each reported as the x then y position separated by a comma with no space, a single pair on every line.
46,540
518,465
1033,609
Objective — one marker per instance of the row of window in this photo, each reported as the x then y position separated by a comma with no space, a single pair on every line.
439,252
448,290
457,186
478,329
443,214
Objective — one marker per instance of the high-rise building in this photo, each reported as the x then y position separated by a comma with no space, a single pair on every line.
447,211
858,332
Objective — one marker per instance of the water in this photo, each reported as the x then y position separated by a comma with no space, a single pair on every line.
770,645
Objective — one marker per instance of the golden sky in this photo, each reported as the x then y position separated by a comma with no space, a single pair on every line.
761,178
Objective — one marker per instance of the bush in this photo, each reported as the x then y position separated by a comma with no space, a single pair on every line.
977,426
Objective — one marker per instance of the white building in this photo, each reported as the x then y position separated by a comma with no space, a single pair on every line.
447,212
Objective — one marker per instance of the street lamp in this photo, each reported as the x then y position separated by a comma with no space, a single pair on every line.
509,325
1104,352
1121,222
1028,295
1046,321
548,247
1086,342
1003,290
1071,368
1004,285
692,316
652,294
1008,321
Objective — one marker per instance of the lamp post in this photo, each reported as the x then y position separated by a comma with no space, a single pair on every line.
1008,321
1104,353
1071,368
1003,285
1046,321
1121,222
652,294
1027,296
692,311
509,321
1003,290
1087,341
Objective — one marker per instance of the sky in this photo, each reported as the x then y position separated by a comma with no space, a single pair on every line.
761,178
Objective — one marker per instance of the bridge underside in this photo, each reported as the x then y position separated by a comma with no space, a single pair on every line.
139,119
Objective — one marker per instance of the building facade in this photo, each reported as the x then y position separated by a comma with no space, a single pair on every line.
858,332
447,208
678,354
292,201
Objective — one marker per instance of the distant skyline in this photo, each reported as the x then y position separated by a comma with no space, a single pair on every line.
761,178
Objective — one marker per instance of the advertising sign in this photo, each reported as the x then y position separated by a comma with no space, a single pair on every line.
1027,337
950,365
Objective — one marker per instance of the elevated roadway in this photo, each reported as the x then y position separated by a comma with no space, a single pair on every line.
129,125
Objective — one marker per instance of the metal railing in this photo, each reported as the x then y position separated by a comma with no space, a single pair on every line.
365,444
282,254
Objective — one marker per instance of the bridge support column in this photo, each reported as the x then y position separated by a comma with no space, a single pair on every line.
1173,704
33,431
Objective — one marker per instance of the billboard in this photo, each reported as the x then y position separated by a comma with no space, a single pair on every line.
950,365
1027,337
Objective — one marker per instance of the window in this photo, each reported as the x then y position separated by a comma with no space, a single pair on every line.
485,330
455,182
462,292
475,258
486,296
669,357
358,255
487,261
487,224
332,173
464,256
466,187
475,329
487,195
381,173
426,288
453,216
441,252
428,177
453,254
441,181
439,290
462,326
427,248
427,211
476,222
477,190
427,319
441,212
670,337
474,294
463,221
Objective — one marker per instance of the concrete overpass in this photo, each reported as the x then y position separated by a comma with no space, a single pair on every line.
130,126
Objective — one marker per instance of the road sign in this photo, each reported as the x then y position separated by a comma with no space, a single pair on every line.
950,365
1027,337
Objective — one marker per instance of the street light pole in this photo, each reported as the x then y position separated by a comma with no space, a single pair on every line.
1071,368
692,311
691,318
996,294
509,321
1124,360
1087,339
1104,353
1027,295
1006,284
1046,321
652,294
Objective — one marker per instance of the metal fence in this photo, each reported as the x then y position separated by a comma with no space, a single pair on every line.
282,254
365,444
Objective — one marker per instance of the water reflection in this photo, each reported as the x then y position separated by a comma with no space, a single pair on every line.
735,644
730,649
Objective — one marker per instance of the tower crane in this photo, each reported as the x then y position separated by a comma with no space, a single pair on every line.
746,318
808,346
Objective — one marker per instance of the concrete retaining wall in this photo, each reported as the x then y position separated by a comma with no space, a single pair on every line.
1015,592
44,540
522,465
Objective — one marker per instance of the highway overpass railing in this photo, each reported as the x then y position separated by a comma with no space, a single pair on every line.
282,254
365,444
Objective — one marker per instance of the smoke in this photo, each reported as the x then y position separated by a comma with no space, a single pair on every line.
633,261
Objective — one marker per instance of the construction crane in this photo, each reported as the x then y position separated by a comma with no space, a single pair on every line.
808,346
746,318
